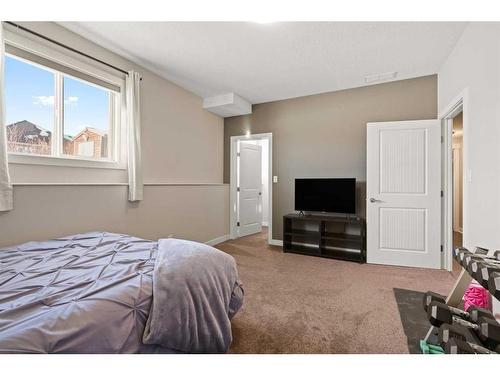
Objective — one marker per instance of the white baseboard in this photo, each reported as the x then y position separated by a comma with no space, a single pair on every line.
265,224
218,240
227,237
276,242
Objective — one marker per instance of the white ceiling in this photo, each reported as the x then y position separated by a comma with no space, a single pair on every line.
267,62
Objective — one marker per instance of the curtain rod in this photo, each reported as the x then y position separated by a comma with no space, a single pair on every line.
66,46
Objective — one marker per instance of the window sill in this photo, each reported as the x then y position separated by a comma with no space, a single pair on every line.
64,162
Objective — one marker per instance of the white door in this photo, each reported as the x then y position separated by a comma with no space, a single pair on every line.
403,190
249,196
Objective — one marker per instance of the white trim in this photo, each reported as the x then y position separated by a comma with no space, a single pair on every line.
112,184
458,104
184,184
453,108
218,240
232,181
64,161
276,243
447,199
265,223
58,133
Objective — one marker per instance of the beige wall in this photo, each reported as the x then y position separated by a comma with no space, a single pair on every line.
325,135
182,144
192,212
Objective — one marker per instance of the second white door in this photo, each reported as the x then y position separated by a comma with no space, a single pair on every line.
403,193
249,194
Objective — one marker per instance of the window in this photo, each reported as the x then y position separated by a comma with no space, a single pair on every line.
29,107
57,112
86,119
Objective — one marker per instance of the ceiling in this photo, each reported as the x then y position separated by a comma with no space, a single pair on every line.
273,61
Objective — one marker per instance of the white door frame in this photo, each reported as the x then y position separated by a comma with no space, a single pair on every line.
457,105
232,182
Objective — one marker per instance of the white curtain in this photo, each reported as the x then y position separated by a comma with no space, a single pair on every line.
5,185
135,186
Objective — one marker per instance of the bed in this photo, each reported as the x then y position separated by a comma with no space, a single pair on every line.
103,292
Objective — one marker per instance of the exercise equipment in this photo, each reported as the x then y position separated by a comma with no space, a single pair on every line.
430,297
464,256
494,284
474,331
486,328
473,314
481,271
449,332
460,252
430,349
477,250
455,346
470,259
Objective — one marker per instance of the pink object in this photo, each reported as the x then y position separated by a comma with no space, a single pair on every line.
476,295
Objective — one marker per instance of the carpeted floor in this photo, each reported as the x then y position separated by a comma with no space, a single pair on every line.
303,304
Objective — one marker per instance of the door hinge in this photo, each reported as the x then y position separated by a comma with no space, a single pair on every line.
442,193
238,154
237,223
237,189
441,248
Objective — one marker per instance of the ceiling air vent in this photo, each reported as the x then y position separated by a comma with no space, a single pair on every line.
380,77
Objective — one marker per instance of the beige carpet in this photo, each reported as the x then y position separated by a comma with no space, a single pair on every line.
303,304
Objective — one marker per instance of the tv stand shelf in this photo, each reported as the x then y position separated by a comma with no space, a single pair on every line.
339,237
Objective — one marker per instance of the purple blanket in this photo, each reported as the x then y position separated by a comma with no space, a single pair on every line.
196,291
88,293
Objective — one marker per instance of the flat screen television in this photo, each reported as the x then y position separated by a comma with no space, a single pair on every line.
326,195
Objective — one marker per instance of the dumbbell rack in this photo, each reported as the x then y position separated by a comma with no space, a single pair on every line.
463,281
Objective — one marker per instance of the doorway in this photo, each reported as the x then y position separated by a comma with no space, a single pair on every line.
457,172
251,185
454,178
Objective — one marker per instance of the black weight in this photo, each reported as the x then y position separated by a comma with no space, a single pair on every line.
481,272
494,284
430,297
486,328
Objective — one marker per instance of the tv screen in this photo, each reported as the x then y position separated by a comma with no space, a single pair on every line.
326,195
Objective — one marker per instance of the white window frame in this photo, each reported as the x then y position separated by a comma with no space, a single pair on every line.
116,140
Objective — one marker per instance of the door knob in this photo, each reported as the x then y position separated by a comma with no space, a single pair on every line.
373,200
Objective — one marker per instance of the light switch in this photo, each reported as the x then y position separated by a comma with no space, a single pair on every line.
275,179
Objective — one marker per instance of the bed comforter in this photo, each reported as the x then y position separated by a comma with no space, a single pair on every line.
94,293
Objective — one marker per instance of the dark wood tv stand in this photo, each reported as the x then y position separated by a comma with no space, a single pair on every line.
339,237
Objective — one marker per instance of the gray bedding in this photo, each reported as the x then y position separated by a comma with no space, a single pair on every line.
93,293
196,291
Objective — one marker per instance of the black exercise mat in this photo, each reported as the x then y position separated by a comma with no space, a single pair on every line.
413,317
